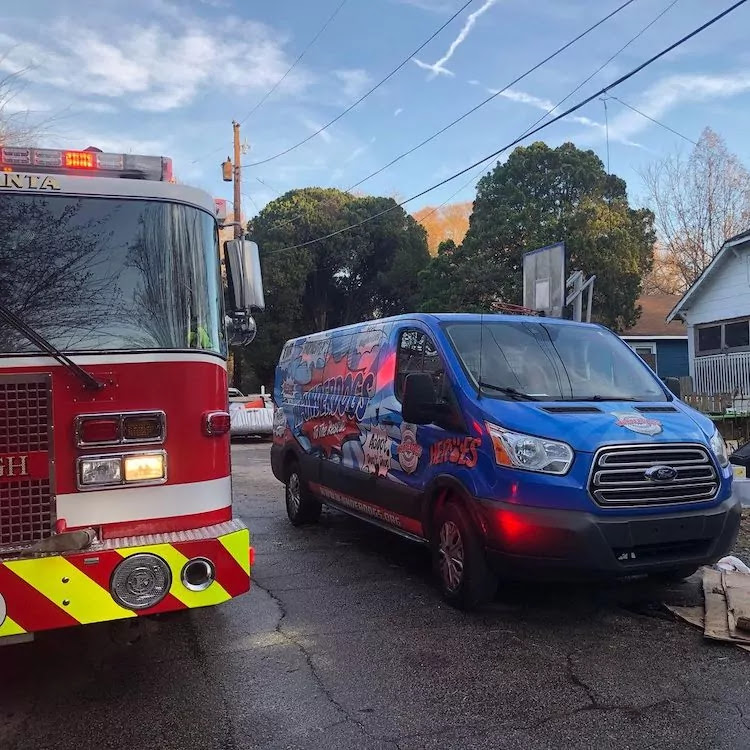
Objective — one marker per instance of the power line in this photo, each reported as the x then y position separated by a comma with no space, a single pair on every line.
294,64
555,119
281,80
655,121
252,200
495,94
562,101
365,95
559,50
270,187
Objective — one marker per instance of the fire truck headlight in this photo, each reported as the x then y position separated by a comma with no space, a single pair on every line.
99,470
140,581
149,467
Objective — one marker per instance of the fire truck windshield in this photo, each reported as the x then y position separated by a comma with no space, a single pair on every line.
110,274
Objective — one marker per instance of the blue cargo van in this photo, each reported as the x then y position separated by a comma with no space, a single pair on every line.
511,445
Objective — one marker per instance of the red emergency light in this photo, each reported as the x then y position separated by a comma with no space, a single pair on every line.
90,160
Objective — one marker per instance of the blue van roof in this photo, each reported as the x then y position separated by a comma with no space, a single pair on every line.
448,318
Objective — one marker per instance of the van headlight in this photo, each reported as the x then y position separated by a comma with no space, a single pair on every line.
528,452
719,447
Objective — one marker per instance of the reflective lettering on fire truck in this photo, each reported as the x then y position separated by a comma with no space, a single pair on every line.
14,466
20,181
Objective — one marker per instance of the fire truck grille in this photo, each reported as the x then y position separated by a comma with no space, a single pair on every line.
25,513
27,505
24,415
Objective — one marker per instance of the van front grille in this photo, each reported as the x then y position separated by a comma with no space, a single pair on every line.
620,475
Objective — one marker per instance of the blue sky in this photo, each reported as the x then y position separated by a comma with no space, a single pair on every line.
167,77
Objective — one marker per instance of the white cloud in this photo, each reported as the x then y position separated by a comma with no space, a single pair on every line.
438,67
398,111
23,102
313,126
436,6
157,67
674,91
355,82
545,105
115,143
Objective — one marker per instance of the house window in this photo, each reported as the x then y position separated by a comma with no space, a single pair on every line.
647,352
736,335
709,339
731,335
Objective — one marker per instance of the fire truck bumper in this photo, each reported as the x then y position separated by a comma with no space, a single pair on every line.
129,577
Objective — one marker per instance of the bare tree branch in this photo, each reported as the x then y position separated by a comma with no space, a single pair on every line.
699,202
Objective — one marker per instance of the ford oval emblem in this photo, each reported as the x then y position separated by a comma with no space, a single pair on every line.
661,473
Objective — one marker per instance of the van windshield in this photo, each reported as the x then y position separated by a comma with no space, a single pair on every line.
546,362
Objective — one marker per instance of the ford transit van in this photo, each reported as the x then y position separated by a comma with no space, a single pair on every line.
511,445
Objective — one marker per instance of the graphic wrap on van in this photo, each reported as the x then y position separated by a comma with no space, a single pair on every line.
332,391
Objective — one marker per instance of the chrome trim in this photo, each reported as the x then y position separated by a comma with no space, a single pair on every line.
123,568
688,457
210,574
702,458
121,416
122,483
207,426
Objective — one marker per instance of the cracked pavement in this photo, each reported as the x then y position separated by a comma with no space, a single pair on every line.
344,643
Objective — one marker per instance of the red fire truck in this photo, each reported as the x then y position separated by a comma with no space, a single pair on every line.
115,487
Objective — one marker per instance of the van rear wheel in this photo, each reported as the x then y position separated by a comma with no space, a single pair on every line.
301,505
459,560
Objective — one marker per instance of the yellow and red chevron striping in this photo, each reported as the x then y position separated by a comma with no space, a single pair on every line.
59,591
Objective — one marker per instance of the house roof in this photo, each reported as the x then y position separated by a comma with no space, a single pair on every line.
653,320
709,270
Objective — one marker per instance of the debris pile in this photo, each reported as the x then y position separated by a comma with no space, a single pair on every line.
725,614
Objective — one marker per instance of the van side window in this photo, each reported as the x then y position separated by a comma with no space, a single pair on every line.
417,353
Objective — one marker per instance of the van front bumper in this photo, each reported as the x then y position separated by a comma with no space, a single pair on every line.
60,590
535,542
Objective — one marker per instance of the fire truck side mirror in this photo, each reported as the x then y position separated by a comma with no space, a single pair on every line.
244,276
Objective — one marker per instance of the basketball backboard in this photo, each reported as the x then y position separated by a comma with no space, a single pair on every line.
544,280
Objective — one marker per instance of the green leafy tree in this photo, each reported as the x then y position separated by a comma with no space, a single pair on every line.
370,271
539,196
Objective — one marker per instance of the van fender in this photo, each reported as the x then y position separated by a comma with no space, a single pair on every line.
439,490
293,452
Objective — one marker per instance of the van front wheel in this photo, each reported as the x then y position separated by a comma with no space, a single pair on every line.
466,580
301,506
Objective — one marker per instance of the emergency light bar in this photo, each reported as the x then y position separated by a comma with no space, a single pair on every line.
96,163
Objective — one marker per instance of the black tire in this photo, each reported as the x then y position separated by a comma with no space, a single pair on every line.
674,575
459,560
301,505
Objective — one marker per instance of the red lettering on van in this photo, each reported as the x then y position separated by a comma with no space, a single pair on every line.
459,451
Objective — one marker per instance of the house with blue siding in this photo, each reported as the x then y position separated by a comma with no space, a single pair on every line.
662,345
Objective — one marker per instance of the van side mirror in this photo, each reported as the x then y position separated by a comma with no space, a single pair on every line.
419,404
244,276
674,385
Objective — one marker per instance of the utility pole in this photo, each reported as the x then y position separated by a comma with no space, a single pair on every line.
231,173
238,229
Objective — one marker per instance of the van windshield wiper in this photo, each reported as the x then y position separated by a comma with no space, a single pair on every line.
597,397
508,391
88,380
